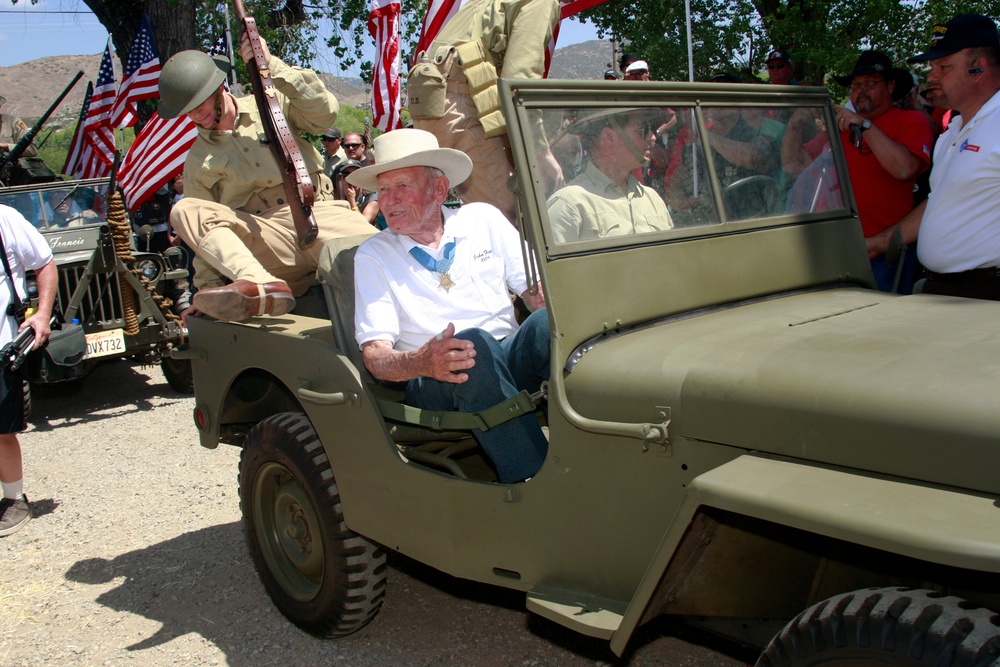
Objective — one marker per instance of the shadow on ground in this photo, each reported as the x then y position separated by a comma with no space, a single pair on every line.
203,582
121,384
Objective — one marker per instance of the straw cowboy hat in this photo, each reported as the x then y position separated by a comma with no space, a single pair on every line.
404,148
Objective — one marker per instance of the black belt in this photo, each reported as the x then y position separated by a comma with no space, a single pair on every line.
975,275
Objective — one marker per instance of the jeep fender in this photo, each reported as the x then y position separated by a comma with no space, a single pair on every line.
938,525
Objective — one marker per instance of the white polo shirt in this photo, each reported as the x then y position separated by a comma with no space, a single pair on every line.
960,229
399,300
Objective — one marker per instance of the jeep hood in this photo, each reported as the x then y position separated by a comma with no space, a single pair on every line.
905,386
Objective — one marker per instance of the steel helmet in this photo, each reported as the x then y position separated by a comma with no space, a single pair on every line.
188,79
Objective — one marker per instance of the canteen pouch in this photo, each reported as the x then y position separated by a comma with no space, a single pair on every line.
426,88
481,74
67,346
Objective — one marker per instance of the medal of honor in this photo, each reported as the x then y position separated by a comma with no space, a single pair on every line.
442,267
446,282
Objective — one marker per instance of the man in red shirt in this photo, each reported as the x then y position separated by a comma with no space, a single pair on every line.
886,149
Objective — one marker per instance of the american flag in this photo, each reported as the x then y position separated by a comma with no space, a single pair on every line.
141,77
156,156
74,158
158,153
383,24
97,127
438,13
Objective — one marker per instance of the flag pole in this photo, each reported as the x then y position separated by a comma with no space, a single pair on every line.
119,139
229,49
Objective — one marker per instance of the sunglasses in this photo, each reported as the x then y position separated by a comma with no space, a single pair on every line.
778,66
352,145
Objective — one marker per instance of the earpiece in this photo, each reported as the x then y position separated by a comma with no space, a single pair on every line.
975,71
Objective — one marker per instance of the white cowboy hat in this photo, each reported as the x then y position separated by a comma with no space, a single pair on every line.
404,148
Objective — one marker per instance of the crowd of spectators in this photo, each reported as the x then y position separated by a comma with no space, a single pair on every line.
773,160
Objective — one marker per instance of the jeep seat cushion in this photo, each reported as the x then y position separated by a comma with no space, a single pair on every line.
336,273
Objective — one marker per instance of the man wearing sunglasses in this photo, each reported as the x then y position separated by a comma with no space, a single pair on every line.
779,69
606,199
886,149
354,146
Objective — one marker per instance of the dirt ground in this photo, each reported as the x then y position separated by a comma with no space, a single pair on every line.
136,557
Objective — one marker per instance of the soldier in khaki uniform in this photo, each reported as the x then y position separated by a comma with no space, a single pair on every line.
453,91
234,213
12,129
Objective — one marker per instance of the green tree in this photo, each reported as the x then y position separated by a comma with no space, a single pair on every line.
823,36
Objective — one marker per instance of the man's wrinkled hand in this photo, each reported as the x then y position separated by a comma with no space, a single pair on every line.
445,356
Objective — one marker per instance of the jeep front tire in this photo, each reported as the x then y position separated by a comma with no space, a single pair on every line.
887,626
323,577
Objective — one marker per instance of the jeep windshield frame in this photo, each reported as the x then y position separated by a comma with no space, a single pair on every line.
607,284
702,117
80,203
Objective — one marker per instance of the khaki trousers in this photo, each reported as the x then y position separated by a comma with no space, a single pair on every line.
459,129
261,248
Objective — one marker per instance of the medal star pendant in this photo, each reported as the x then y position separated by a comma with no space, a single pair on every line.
446,282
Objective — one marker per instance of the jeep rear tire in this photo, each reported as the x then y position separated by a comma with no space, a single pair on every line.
179,374
323,577
887,626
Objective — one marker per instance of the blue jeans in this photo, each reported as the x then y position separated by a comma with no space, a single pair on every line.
885,275
503,368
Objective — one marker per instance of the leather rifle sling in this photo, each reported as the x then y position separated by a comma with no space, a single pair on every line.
299,191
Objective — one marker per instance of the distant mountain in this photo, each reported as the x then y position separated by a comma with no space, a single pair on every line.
586,60
31,87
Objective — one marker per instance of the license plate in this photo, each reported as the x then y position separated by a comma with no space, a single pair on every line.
105,343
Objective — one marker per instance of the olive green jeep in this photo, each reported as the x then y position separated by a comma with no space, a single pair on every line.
115,290
743,433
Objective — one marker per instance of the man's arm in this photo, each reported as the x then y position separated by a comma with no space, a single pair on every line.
896,158
439,358
310,106
46,279
908,224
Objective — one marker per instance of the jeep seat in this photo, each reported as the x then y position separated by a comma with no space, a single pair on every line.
427,436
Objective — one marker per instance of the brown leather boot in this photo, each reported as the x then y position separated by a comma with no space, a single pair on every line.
243,299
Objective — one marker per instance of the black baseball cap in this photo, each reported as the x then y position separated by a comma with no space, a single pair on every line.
331,134
610,74
778,55
626,60
965,31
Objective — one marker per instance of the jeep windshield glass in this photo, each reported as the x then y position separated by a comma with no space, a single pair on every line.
639,173
59,208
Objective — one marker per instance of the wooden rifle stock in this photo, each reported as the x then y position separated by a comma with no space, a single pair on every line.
299,192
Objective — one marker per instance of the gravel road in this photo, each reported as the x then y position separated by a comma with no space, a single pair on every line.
136,557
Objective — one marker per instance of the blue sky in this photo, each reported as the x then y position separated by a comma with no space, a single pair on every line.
68,28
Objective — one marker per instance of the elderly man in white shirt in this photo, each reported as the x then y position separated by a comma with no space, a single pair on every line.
433,307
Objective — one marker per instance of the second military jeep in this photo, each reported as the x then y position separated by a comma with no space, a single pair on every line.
743,433
113,289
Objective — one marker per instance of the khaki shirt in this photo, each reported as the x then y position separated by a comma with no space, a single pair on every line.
11,131
235,169
514,32
592,206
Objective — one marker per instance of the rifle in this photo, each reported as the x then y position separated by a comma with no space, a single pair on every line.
299,191
15,352
22,145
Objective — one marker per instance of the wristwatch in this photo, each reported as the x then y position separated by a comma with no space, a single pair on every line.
866,125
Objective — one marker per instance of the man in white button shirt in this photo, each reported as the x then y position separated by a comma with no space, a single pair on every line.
959,224
432,293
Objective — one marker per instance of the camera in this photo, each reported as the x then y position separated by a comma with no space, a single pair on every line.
17,310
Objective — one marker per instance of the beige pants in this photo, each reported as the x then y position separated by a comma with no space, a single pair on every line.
260,248
459,128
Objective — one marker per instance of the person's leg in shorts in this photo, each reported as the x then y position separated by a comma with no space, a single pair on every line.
14,508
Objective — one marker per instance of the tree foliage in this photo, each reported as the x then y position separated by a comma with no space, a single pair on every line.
823,36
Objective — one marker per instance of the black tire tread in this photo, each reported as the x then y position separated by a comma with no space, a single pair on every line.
899,626
355,570
179,374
